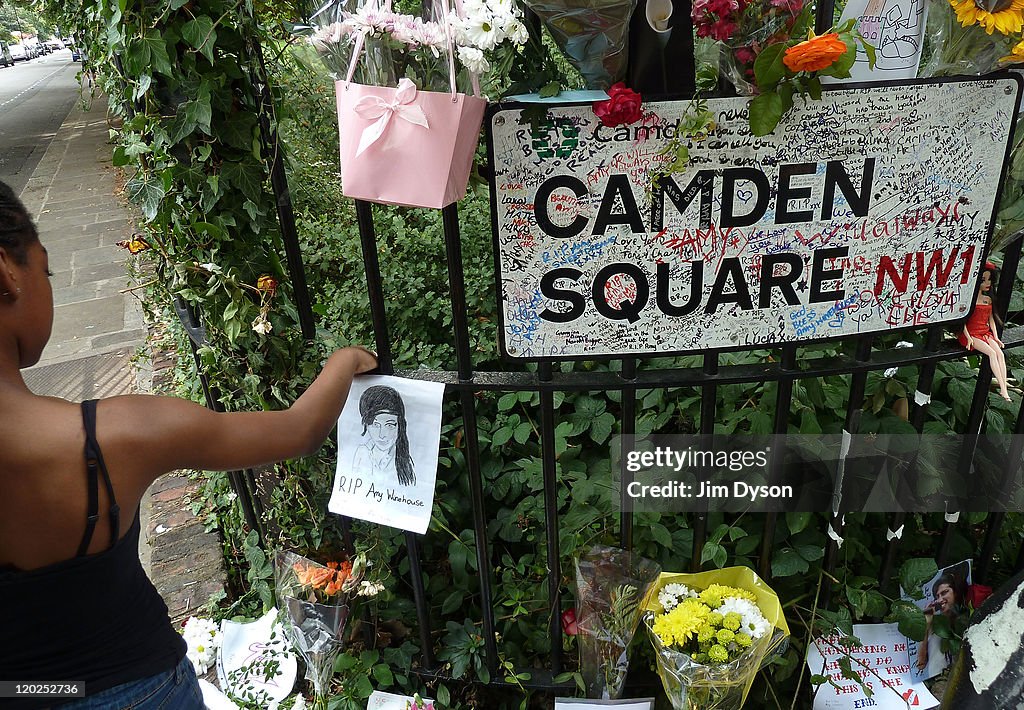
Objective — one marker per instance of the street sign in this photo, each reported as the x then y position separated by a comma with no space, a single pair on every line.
866,211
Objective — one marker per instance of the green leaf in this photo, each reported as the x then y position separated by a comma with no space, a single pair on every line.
601,427
842,66
869,50
909,618
714,553
147,193
383,675
156,52
522,432
508,401
248,178
768,67
363,687
813,86
765,113
661,535
444,697
453,601
550,89
786,563
200,33
797,521
915,572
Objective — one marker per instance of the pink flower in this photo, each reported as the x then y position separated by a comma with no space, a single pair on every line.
745,55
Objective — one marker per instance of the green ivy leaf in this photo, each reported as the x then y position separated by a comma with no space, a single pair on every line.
147,193
156,52
765,113
550,89
813,86
200,33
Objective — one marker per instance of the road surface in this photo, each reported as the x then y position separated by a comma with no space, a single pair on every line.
35,98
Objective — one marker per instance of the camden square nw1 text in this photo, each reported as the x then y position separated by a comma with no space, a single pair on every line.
778,271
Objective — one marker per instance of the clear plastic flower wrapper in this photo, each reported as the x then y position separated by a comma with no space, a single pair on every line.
314,602
745,28
958,41
388,46
712,631
612,587
592,34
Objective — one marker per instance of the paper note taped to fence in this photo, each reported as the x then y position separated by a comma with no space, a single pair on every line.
866,211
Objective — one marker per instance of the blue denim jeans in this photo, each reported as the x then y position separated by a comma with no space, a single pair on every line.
175,689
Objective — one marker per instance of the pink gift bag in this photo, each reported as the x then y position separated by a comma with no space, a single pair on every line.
403,146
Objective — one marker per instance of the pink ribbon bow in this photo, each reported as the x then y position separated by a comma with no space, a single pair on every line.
374,107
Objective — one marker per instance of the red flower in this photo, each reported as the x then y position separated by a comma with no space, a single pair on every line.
569,622
622,106
977,594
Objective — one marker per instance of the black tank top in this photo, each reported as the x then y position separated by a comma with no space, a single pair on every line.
96,618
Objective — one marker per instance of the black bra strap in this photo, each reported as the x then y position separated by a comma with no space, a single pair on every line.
94,465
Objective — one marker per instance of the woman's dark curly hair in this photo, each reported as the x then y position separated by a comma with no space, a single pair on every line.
17,233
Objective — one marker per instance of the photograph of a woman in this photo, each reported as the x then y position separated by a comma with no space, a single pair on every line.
944,595
385,452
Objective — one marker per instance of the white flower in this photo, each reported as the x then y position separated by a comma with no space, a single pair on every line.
519,34
211,267
671,594
904,344
261,325
328,35
474,60
891,371
202,637
369,589
480,31
753,624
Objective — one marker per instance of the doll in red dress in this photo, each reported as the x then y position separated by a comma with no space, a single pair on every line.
981,332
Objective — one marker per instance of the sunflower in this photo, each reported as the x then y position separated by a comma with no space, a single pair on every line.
1007,16
1016,55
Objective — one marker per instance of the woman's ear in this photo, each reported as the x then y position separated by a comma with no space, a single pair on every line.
9,288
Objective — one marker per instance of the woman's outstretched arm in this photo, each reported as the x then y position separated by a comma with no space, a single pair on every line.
166,433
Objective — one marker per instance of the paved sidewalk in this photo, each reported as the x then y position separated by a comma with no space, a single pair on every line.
99,328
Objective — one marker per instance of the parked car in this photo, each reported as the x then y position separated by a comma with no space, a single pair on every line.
5,55
76,55
21,53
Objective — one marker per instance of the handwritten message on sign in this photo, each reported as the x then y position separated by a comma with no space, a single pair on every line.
882,665
865,211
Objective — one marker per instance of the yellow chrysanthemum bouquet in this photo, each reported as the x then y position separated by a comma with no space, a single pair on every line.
712,631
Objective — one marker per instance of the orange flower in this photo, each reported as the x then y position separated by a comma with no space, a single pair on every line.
332,588
815,53
321,578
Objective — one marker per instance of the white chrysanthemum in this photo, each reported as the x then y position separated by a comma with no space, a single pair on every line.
754,624
480,31
518,33
671,594
202,637
474,60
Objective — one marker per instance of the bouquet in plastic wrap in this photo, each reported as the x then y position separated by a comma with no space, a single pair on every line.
385,46
612,587
712,632
592,34
314,599
746,28
973,37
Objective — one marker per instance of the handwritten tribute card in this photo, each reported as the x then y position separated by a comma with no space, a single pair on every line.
869,210
883,664
388,435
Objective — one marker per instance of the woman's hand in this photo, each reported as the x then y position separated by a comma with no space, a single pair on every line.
970,341
365,359
922,656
